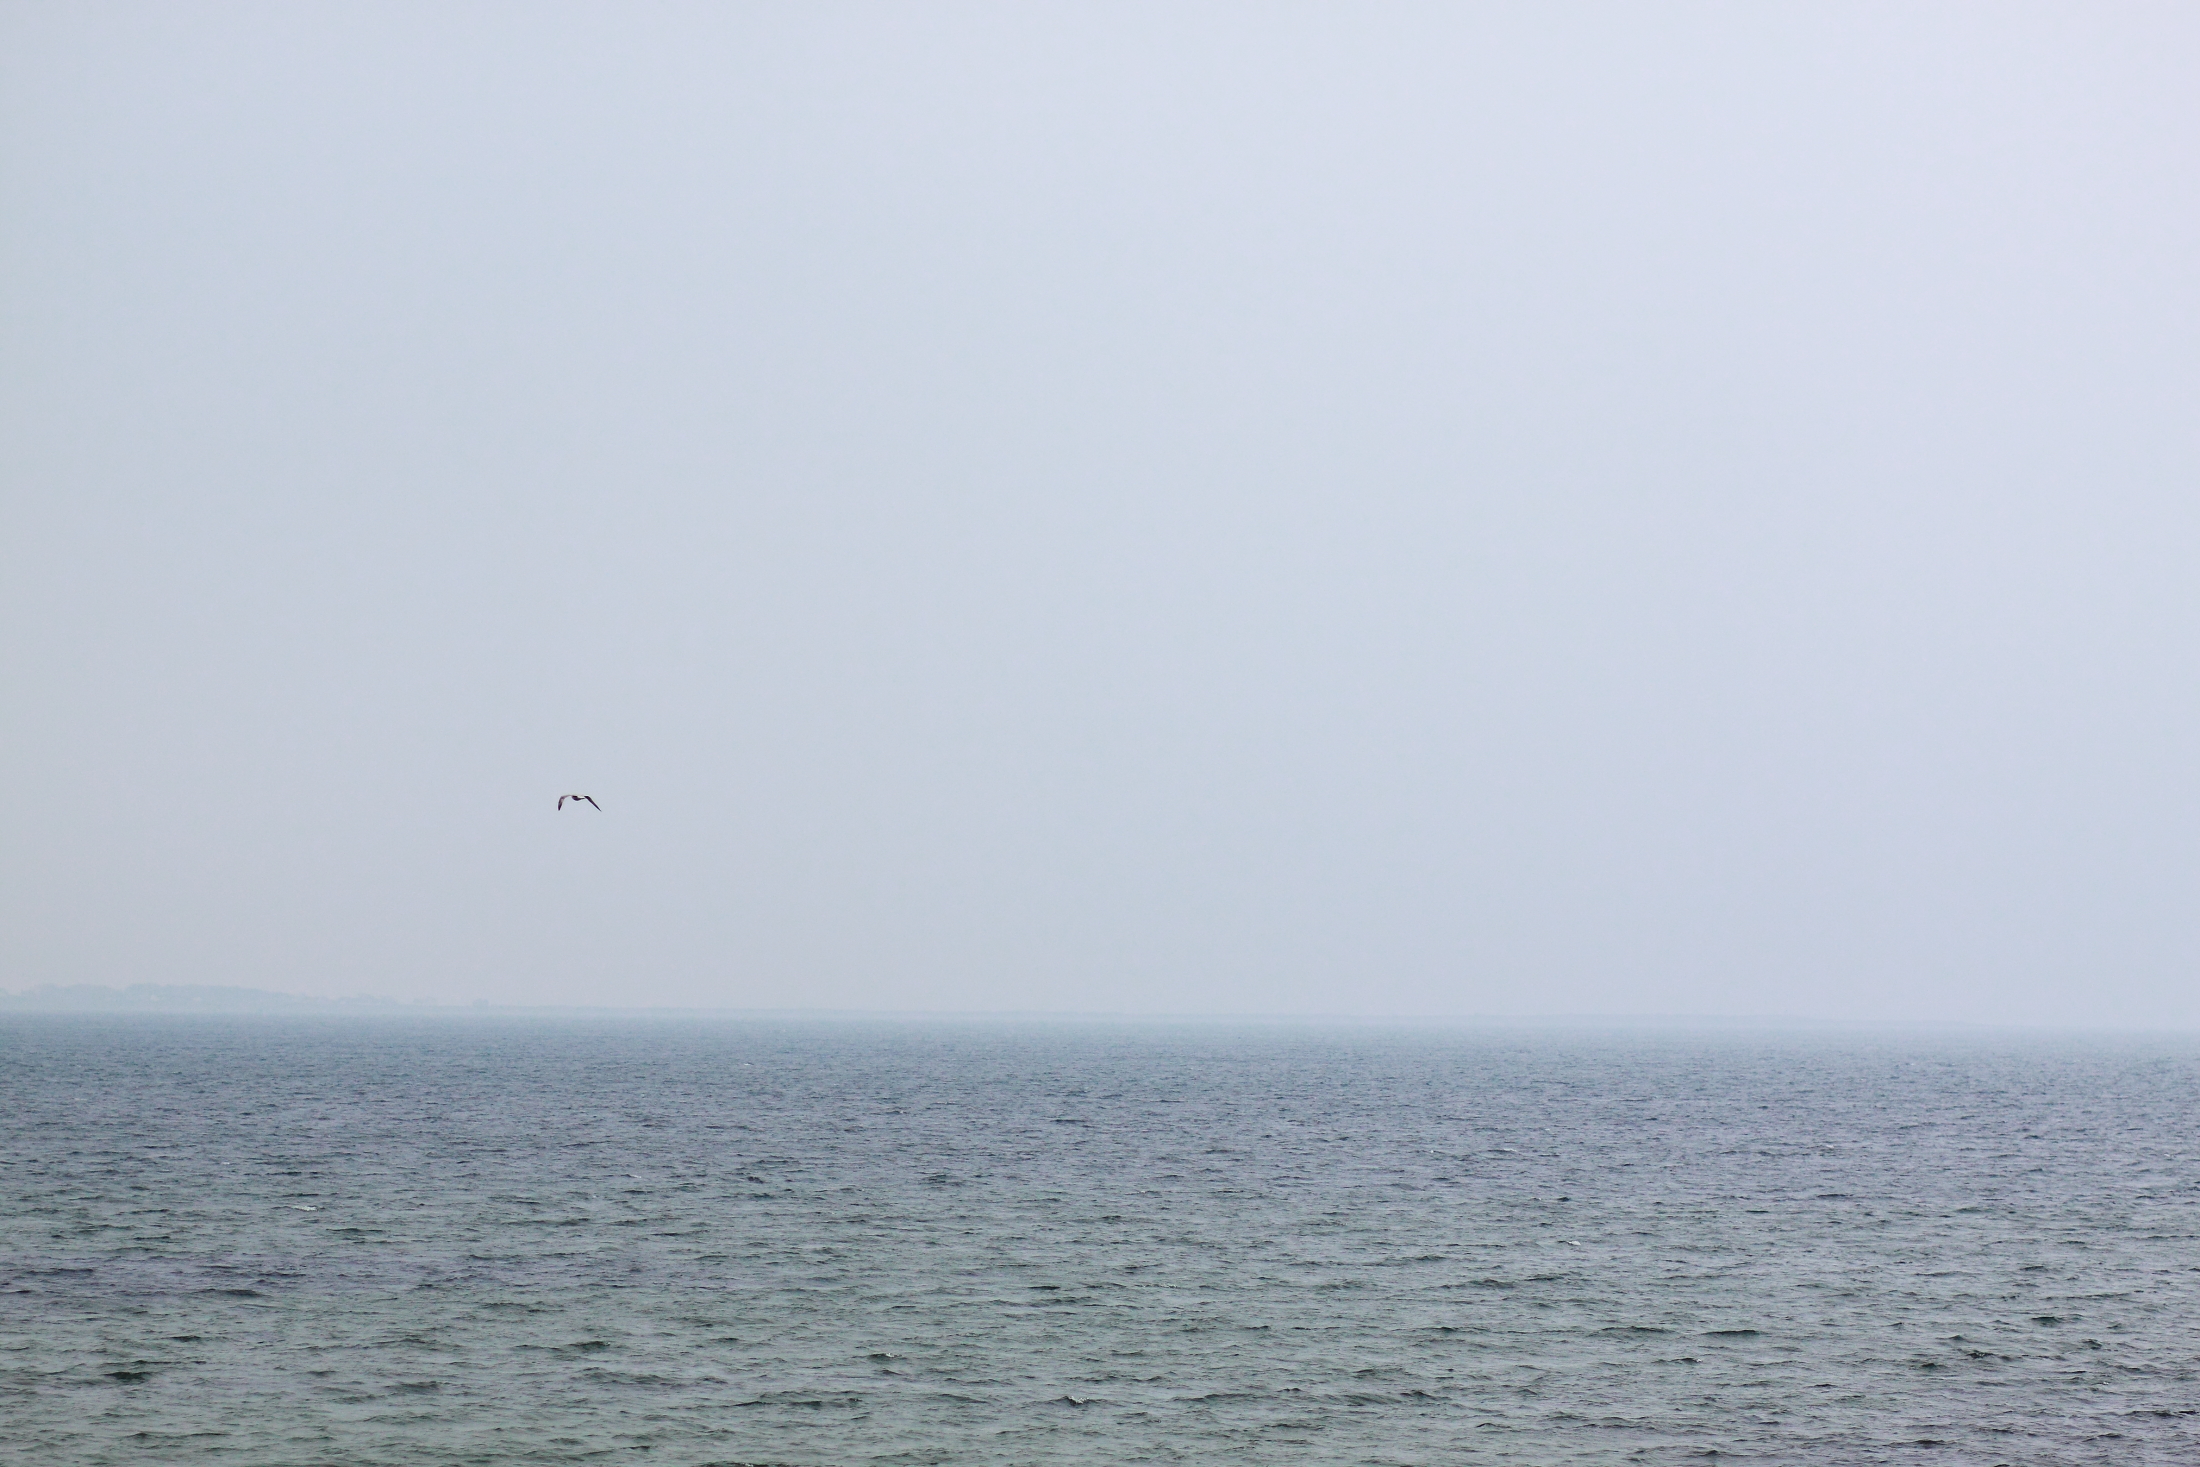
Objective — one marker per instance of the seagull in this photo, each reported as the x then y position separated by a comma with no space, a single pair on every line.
590,798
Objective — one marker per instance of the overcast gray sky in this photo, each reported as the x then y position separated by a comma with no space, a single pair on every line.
1261,508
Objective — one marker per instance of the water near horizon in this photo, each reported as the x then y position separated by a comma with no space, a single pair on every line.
361,1241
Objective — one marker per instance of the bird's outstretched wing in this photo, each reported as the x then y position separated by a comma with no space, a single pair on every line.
592,800
562,799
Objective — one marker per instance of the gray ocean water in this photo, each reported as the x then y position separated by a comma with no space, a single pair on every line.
361,1241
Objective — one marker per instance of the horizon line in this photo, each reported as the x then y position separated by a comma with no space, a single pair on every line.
217,1000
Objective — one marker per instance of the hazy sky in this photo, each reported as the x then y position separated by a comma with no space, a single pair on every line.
1177,508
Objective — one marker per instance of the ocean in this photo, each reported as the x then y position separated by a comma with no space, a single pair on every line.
360,1241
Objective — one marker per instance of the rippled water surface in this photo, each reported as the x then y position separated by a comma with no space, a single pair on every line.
360,1242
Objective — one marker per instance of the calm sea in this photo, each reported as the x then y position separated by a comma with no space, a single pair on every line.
359,1242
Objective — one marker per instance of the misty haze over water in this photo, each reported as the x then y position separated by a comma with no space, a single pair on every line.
1417,509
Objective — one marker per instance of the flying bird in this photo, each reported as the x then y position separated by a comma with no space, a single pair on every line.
590,798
